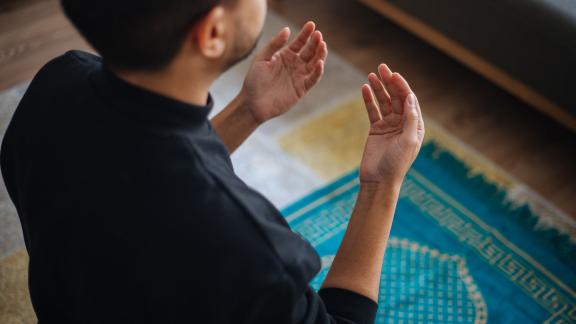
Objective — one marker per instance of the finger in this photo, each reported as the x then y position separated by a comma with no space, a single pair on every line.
411,116
399,86
396,101
302,37
384,72
381,94
275,44
310,48
421,127
316,75
324,55
370,103
321,54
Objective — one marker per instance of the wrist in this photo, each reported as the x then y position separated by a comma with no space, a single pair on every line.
384,185
243,108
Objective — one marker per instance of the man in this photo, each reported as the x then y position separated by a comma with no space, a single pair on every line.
130,208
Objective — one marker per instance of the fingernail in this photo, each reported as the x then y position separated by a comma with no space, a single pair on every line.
412,100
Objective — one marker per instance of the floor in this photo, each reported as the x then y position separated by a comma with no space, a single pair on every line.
522,141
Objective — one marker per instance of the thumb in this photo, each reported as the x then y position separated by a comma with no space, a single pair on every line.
411,116
275,44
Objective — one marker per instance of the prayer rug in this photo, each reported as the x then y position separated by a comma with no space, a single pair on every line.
461,250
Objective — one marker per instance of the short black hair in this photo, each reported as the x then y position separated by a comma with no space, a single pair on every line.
136,34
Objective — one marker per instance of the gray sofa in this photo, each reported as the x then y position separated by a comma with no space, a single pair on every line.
527,47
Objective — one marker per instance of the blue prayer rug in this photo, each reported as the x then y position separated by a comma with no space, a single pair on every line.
458,251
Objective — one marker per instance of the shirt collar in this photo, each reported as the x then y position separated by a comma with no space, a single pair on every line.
145,104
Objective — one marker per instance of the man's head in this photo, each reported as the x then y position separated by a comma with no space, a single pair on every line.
148,35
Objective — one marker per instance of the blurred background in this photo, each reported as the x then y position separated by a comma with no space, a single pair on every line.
495,81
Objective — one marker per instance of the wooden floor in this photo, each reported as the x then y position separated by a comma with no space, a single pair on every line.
31,33
521,140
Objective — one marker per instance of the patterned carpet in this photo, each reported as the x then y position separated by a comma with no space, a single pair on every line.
439,275
458,253
469,244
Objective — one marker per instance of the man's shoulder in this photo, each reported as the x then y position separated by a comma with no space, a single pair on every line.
66,70
70,61
62,77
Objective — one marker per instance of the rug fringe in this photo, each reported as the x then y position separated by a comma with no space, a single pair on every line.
495,185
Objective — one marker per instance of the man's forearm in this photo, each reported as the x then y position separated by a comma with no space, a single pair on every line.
234,123
358,263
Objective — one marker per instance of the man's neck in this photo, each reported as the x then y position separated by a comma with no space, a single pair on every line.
190,88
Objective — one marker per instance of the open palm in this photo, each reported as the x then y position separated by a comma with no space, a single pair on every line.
396,127
280,76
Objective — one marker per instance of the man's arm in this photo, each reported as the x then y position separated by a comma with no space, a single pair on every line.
279,76
396,134
358,263
235,123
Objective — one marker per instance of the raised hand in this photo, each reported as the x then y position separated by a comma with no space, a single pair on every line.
396,127
280,76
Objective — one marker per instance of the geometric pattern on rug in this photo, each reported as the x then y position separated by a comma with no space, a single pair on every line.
523,276
421,284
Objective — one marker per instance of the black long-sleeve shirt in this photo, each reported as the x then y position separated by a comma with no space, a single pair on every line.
132,213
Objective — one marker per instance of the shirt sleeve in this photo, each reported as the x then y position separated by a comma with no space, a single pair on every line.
334,306
346,306
328,306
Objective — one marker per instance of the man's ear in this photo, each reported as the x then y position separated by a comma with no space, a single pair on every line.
209,33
